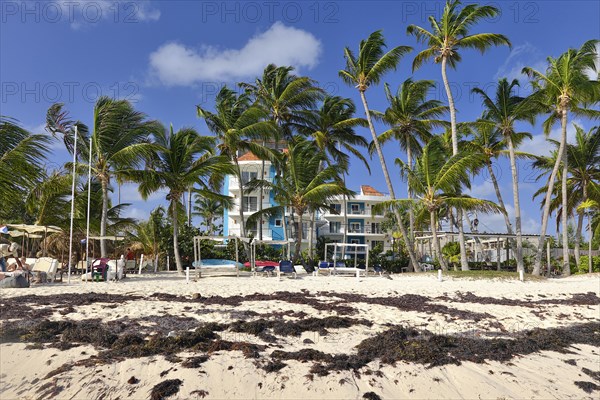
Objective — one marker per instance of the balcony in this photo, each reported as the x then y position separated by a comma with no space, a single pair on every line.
369,230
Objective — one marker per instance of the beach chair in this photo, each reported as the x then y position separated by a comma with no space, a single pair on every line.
378,270
324,267
286,267
45,269
340,268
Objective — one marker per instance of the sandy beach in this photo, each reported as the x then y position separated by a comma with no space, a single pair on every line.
154,336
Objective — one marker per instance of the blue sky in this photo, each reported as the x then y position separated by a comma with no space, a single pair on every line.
169,56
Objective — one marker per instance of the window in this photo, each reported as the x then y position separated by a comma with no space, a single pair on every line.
335,227
248,176
375,227
355,227
278,222
354,209
250,204
354,241
336,207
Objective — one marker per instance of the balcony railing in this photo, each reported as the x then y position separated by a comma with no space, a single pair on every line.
355,230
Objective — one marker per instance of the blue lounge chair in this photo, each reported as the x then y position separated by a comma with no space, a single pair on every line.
286,267
324,266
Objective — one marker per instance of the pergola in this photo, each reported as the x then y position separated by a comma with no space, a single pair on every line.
197,249
476,235
344,245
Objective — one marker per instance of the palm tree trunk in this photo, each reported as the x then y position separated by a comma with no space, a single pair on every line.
311,233
459,215
178,263
104,217
241,188
189,209
260,203
452,109
499,197
284,223
436,241
564,216
590,260
517,205
578,238
345,206
399,219
298,239
546,213
411,212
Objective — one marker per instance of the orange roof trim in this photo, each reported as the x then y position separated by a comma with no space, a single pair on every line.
369,191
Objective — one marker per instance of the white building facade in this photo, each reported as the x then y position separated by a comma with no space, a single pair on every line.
363,225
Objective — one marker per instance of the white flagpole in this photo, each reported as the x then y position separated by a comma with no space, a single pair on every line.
87,237
72,203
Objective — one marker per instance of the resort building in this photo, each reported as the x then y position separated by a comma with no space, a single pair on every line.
363,226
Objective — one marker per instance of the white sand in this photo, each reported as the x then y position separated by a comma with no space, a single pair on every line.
537,376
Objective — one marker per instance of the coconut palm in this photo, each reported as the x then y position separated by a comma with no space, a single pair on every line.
238,127
332,129
283,96
209,210
584,170
362,71
180,161
501,113
411,118
436,179
564,88
22,155
302,186
120,140
449,35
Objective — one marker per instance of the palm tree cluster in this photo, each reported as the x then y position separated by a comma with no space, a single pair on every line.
310,137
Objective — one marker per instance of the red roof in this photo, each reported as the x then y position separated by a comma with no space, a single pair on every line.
369,191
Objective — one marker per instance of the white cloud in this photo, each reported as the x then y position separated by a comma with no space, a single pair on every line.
130,194
86,13
540,146
525,55
176,64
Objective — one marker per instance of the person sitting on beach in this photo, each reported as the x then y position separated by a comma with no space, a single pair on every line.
6,252
130,256
23,267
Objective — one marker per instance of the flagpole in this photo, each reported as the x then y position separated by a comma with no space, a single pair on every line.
87,237
72,203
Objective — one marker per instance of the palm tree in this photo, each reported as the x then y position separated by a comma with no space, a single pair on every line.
363,71
303,185
283,96
584,176
238,126
449,35
564,87
411,118
120,140
209,210
180,161
437,179
501,114
585,171
332,129
22,155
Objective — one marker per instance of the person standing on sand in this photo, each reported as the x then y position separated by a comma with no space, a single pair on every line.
7,251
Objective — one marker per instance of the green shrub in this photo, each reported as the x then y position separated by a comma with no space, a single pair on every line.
583,267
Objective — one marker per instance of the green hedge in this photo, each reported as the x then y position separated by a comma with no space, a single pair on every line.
583,267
